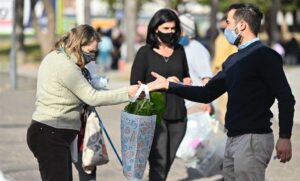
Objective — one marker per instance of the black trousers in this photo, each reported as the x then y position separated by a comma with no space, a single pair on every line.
51,147
167,138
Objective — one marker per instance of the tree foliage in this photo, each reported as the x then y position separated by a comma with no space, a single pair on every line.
290,5
264,5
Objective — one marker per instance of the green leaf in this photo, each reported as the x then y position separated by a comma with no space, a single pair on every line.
158,100
145,107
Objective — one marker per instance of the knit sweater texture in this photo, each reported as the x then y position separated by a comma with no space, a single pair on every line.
253,78
62,90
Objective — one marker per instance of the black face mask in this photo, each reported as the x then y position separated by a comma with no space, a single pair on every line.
88,57
167,38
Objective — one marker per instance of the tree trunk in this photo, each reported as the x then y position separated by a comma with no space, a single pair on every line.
271,24
130,14
213,27
46,38
87,12
19,32
168,4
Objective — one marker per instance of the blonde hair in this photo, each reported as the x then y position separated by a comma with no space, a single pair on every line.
78,36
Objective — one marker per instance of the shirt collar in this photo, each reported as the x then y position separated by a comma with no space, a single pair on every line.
247,43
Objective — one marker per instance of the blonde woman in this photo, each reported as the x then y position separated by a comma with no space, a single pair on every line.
62,90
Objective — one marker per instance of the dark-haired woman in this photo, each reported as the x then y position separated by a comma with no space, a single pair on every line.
163,54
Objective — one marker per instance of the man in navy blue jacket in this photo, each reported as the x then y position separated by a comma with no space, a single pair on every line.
253,78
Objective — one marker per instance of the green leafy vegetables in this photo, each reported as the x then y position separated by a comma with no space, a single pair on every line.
145,107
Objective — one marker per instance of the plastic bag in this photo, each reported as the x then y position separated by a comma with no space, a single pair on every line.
94,149
203,145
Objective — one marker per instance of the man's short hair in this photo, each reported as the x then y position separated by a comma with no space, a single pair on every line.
249,13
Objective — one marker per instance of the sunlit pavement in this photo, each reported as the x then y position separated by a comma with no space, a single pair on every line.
17,162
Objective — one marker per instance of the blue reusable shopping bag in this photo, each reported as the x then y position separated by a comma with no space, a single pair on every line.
137,133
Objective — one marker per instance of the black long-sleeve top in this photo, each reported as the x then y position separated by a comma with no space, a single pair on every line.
147,60
253,77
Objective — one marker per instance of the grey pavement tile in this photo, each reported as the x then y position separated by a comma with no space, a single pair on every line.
17,162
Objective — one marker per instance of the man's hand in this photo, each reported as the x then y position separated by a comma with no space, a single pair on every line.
284,149
160,82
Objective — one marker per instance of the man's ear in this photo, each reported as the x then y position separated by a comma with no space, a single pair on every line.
243,25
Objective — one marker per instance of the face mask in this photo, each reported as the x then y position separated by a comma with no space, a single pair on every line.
167,38
231,36
88,57
184,40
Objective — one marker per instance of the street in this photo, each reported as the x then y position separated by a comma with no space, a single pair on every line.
17,163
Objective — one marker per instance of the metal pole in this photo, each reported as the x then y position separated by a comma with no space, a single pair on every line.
13,57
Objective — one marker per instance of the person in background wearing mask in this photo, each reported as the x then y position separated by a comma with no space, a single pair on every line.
253,78
197,55
62,90
163,54
223,49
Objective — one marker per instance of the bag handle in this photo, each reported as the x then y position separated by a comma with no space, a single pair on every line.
107,135
144,88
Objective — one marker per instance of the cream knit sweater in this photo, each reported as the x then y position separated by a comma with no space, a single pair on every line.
62,90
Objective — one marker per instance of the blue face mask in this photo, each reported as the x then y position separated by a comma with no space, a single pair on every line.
231,36
184,40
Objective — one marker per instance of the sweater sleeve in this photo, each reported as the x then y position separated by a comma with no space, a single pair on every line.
138,69
204,94
273,74
72,78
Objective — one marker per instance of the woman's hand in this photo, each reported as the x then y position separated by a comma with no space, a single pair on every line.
206,108
133,89
173,79
187,81
160,82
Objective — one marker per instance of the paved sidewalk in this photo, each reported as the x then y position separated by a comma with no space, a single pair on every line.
18,164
